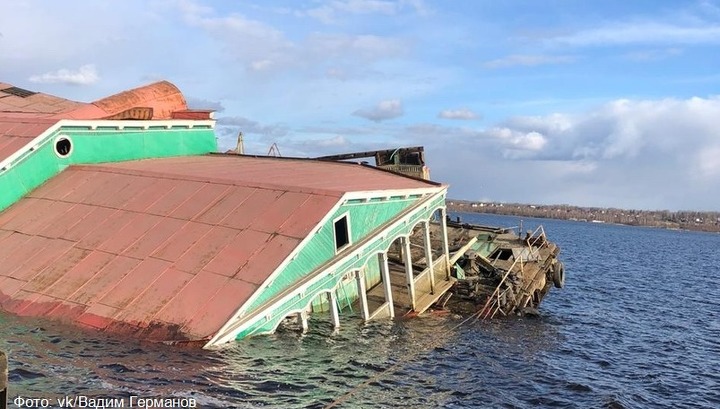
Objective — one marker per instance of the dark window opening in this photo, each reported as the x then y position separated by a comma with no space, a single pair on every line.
18,92
502,254
63,147
342,236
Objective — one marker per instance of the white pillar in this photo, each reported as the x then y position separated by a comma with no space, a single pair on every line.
387,286
332,299
446,246
303,321
362,294
407,258
428,255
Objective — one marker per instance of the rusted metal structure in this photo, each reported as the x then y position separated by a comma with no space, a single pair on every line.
494,270
408,161
501,272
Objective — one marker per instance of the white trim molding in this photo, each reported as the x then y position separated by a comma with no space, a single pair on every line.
93,125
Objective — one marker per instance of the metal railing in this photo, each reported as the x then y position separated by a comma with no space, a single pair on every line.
419,171
403,168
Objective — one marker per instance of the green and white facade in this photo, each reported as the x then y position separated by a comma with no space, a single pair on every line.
315,270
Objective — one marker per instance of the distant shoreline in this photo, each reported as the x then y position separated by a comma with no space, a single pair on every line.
681,220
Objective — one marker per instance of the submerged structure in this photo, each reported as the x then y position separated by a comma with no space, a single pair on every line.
118,215
494,270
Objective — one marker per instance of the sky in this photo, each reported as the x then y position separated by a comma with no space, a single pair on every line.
608,104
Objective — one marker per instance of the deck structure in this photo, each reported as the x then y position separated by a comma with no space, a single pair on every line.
116,215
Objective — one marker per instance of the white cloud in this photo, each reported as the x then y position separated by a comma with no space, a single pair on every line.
231,124
323,47
462,113
528,60
334,143
201,103
261,47
653,54
85,75
641,32
659,154
61,38
332,11
384,110
708,162
518,140
366,6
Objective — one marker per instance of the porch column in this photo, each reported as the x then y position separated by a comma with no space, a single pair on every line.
332,299
428,255
303,321
446,246
362,294
387,286
407,258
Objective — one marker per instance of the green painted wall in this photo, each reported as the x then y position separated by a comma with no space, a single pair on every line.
266,321
34,168
347,291
364,217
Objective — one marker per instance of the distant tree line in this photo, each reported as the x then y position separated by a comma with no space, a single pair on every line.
687,220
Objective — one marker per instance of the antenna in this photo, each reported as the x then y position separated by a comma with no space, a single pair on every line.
274,150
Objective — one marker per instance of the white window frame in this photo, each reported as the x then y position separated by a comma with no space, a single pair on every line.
346,215
58,139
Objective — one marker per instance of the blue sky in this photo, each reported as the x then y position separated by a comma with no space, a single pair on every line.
611,103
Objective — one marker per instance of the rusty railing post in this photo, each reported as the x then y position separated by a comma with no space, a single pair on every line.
3,380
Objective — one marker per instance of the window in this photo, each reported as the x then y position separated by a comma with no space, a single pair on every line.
342,232
63,146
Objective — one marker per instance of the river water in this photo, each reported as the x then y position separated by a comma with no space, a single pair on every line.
636,326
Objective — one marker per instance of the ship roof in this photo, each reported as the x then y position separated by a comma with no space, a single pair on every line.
25,114
168,248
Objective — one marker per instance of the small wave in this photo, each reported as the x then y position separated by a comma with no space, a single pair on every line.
578,387
20,374
117,368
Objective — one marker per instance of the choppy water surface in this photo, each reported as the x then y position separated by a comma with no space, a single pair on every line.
637,325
